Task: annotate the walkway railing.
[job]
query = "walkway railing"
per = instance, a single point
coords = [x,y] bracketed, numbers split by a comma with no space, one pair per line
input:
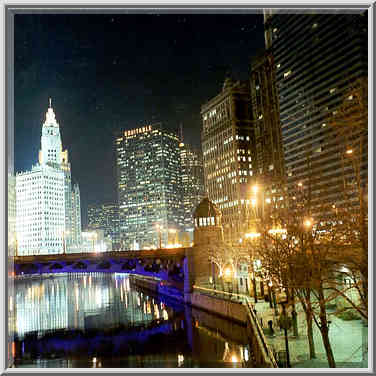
[250,308]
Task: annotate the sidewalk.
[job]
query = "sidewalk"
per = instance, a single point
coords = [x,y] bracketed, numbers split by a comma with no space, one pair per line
[349,339]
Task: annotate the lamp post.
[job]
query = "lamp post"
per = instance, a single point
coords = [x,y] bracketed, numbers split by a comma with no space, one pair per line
[93,237]
[228,278]
[285,324]
[253,236]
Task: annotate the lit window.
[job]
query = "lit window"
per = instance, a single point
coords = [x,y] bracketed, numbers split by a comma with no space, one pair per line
[286,74]
[314,25]
[332,90]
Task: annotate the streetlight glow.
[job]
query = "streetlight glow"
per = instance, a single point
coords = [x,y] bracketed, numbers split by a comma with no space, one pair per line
[307,223]
[349,151]
[252,235]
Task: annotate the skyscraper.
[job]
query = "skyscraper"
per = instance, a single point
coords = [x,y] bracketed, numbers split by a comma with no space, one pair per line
[43,207]
[192,175]
[105,217]
[228,154]
[76,218]
[318,58]
[269,162]
[149,186]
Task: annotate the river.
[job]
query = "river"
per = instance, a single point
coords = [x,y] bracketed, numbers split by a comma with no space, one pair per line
[100,320]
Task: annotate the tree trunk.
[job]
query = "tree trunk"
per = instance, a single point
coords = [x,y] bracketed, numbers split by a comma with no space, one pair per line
[311,342]
[324,329]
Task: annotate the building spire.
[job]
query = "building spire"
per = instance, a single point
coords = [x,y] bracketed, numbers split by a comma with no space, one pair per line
[50,116]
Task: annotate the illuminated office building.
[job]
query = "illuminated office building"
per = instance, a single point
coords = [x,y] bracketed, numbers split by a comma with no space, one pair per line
[318,58]
[105,217]
[228,154]
[149,186]
[192,176]
[44,198]
[76,218]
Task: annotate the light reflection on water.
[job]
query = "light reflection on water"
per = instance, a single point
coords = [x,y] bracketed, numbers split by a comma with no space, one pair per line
[68,301]
[110,321]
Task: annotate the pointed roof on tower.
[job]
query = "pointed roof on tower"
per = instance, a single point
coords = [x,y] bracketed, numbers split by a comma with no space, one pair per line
[50,117]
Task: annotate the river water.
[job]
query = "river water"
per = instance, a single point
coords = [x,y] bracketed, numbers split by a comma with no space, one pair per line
[101,320]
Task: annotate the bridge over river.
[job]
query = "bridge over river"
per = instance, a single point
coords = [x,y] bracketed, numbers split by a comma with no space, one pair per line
[165,264]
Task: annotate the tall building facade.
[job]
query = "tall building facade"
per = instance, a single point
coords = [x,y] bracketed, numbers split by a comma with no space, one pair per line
[105,217]
[318,58]
[192,175]
[228,154]
[43,208]
[76,237]
[269,158]
[149,186]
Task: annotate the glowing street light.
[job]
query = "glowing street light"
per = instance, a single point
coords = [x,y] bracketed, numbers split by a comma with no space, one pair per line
[349,151]
[275,231]
[228,272]
[300,184]
[252,235]
[307,223]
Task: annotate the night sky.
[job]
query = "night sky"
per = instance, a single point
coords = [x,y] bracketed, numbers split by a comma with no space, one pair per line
[111,72]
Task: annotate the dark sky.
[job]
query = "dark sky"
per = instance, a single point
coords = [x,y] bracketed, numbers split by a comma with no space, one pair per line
[111,72]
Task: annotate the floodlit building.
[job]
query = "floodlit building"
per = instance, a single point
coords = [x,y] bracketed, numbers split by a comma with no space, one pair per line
[76,236]
[105,217]
[149,186]
[228,154]
[192,175]
[95,241]
[44,198]
[318,59]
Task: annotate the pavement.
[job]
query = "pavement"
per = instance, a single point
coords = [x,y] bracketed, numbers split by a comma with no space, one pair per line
[349,340]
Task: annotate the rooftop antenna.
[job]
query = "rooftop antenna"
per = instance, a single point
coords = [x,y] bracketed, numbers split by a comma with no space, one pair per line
[50,100]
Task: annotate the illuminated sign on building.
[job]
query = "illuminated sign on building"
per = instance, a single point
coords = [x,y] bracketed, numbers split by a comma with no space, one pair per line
[137,131]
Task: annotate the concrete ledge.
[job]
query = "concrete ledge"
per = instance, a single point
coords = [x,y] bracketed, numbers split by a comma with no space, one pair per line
[229,309]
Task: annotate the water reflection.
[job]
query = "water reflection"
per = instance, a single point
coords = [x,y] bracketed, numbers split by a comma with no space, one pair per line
[101,320]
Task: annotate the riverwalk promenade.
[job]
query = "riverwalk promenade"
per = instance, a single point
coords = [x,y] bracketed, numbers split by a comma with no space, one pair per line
[349,339]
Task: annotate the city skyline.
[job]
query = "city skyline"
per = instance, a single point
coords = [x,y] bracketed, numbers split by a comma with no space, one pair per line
[220,162]
[118,90]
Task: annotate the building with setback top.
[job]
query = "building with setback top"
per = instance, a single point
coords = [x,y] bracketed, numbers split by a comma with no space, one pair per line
[44,215]
[228,154]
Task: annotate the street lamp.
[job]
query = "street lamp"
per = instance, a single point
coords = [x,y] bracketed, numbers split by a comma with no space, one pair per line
[253,236]
[285,324]
[308,223]
[228,277]
[93,237]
